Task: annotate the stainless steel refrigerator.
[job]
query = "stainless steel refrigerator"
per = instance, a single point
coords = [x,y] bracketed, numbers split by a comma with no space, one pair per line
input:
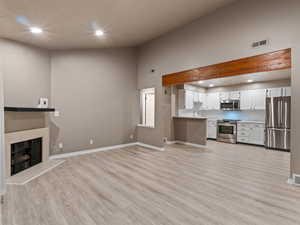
[278,123]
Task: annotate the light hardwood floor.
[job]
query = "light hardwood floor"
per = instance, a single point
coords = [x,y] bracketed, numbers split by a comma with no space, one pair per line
[222,184]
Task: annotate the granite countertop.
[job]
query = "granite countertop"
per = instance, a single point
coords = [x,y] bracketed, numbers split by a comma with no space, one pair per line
[190,117]
[251,121]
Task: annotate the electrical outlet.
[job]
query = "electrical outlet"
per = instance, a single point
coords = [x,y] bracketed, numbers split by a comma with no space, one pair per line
[56,114]
[131,136]
[91,141]
[60,145]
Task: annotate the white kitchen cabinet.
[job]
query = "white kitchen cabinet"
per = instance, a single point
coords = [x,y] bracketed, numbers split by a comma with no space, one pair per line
[274,92]
[211,129]
[185,99]
[287,91]
[196,96]
[259,99]
[213,101]
[189,99]
[278,92]
[233,95]
[202,100]
[246,102]
[224,96]
[251,133]
[253,99]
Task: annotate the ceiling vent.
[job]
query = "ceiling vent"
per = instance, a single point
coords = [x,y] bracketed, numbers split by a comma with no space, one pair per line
[261,43]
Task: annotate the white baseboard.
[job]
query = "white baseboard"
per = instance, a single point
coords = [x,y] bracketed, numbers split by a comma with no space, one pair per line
[150,146]
[89,151]
[170,142]
[114,147]
[187,143]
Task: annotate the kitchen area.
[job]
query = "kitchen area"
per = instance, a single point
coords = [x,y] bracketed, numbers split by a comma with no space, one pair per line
[249,109]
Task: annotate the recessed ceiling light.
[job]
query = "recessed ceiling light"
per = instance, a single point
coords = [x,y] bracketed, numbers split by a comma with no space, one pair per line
[249,81]
[211,85]
[99,33]
[36,30]
[200,82]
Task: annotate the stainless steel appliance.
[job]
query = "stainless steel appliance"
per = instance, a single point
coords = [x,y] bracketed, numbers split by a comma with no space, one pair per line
[230,105]
[278,123]
[227,131]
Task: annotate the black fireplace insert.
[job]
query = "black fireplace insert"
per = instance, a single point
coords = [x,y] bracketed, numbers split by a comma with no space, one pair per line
[25,155]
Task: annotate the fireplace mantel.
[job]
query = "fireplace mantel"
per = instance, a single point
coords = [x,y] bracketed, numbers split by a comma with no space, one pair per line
[27,109]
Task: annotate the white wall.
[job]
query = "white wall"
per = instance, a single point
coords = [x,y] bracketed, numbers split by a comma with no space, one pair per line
[225,35]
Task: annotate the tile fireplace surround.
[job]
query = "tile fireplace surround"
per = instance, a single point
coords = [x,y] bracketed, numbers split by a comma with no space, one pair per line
[20,136]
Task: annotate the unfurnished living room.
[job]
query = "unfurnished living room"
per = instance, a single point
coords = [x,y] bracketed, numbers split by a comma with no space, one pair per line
[150,112]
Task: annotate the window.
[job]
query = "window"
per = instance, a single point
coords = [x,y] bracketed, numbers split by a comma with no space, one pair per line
[147,102]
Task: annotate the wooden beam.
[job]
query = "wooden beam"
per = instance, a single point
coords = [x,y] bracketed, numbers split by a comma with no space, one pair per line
[261,63]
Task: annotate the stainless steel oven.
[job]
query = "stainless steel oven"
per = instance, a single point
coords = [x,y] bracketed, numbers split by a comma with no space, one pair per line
[227,131]
[230,105]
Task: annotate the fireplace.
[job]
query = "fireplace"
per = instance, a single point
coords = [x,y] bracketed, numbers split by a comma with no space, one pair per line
[24,149]
[25,154]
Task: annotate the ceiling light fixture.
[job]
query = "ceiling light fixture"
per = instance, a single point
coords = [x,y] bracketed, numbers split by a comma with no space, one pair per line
[99,33]
[36,30]
[211,85]
[249,81]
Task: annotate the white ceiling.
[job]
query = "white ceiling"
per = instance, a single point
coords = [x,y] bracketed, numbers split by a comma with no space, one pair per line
[243,79]
[126,22]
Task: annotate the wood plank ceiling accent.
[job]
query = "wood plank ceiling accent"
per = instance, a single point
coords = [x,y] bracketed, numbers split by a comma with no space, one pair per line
[261,63]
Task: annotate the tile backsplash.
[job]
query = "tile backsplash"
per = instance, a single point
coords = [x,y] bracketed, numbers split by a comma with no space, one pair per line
[248,115]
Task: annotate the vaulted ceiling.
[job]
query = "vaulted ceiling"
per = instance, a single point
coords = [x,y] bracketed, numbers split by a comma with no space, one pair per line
[72,23]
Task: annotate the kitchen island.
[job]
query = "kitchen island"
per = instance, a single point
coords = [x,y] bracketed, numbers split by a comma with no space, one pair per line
[190,129]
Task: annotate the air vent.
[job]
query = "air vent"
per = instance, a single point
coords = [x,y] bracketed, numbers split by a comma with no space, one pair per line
[296,179]
[260,43]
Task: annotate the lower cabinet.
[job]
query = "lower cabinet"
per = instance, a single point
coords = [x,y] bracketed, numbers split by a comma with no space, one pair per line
[212,129]
[251,133]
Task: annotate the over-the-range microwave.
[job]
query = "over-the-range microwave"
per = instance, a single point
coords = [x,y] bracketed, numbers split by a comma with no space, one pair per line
[230,105]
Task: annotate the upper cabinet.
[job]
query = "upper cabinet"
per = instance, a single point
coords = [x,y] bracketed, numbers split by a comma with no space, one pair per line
[253,99]
[185,99]
[278,92]
[249,99]
[213,101]
[233,95]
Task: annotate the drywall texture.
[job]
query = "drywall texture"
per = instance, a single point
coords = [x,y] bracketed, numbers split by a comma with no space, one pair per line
[190,130]
[224,35]
[295,131]
[95,94]
[18,121]
[2,152]
[26,73]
